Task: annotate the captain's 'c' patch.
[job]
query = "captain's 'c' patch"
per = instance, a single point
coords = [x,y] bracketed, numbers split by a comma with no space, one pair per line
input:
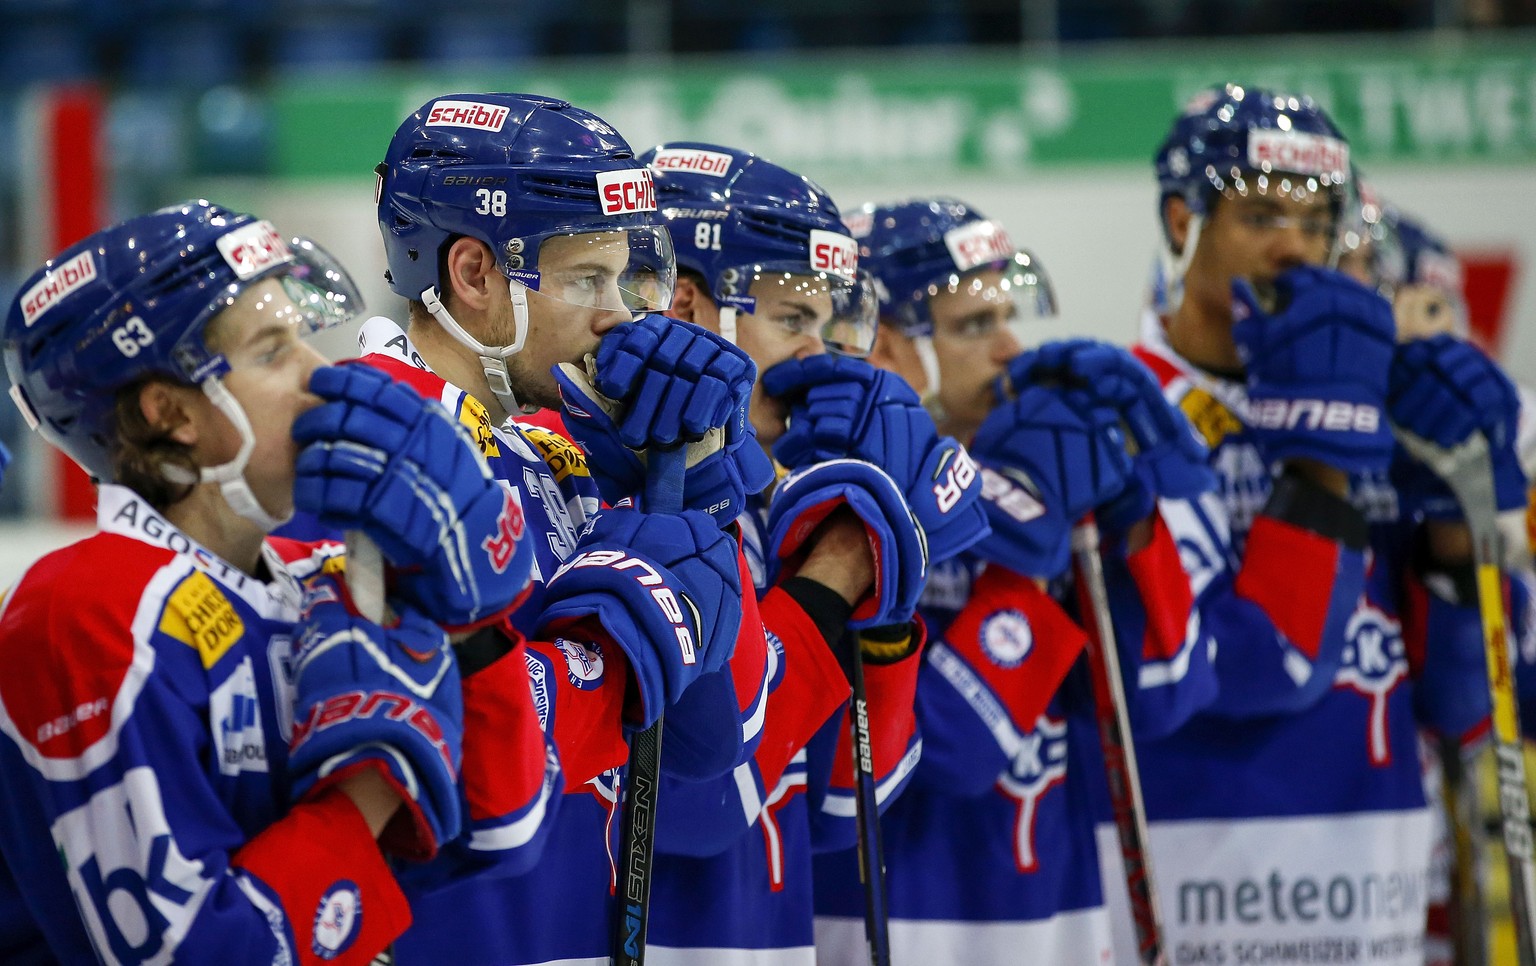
[201,617]
[472,413]
[563,457]
[1210,416]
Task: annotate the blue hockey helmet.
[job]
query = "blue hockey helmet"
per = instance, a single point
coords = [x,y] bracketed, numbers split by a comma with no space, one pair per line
[1236,141]
[515,170]
[740,221]
[917,249]
[133,301]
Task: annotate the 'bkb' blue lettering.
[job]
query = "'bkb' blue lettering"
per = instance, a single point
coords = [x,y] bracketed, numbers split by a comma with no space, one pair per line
[138,888]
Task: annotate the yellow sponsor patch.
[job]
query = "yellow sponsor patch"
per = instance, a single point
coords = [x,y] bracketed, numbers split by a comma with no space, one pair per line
[1210,417]
[201,617]
[564,459]
[473,415]
[335,566]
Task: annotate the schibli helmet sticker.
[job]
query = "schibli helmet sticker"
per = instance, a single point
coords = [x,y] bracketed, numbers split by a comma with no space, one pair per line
[518,171]
[748,226]
[132,301]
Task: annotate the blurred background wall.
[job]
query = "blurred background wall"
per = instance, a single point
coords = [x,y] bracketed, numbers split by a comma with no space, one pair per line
[1043,114]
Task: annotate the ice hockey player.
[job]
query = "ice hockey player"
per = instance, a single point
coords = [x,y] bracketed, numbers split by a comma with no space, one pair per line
[991,851]
[181,719]
[1289,819]
[764,258]
[524,234]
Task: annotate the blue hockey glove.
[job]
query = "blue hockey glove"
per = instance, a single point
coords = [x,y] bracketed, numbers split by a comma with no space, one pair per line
[808,496]
[844,407]
[1167,455]
[1044,466]
[380,459]
[1443,389]
[666,588]
[655,382]
[1317,368]
[387,698]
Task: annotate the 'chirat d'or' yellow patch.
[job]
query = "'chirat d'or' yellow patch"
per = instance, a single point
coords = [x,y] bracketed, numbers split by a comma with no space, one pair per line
[1210,416]
[563,458]
[472,413]
[201,617]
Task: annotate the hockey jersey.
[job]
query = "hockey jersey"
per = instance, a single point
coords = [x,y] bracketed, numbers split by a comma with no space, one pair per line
[734,870]
[560,907]
[1289,823]
[991,853]
[146,709]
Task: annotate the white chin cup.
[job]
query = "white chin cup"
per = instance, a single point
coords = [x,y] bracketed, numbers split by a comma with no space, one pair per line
[493,359]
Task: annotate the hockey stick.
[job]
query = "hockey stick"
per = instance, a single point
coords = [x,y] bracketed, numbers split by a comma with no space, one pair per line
[1468,470]
[637,843]
[1468,905]
[866,812]
[1119,751]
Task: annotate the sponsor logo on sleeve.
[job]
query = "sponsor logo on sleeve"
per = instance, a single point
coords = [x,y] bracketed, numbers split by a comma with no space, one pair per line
[338,919]
[483,117]
[59,282]
[474,415]
[201,617]
[978,243]
[1210,417]
[254,248]
[693,160]
[564,459]
[626,192]
[1270,149]
[239,743]
[834,254]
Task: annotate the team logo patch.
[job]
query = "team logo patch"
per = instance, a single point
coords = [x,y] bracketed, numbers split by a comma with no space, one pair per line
[1007,638]
[1271,149]
[626,192]
[201,617]
[252,249]
[693,160]
[338,920]
[563,457]
[978,243]
[59,282]
[1210,417]
[583,662]
[475,417]
[834,254]
[484,117]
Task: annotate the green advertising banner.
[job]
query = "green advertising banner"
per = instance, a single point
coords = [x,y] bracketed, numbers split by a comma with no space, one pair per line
[1427,100]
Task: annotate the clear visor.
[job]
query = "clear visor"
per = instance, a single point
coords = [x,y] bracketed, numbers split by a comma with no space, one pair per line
[320,295]
[978,304]
[629,270]
[1271,202]
[843,313]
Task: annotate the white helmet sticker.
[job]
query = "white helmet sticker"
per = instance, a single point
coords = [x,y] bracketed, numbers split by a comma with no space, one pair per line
[485,117]
[834,254]
[1270,149]
[978,243]
[254,248]
[693,160]
[59,282]
[626,192]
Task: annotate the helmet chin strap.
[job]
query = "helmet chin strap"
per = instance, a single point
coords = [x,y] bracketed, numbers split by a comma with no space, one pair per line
[728,323]
[1176,265]
[493,359]
[230,476]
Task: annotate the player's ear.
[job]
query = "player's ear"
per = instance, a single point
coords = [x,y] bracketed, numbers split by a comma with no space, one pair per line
[166,409]
[1176,217]
[471,268]
[692,303]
